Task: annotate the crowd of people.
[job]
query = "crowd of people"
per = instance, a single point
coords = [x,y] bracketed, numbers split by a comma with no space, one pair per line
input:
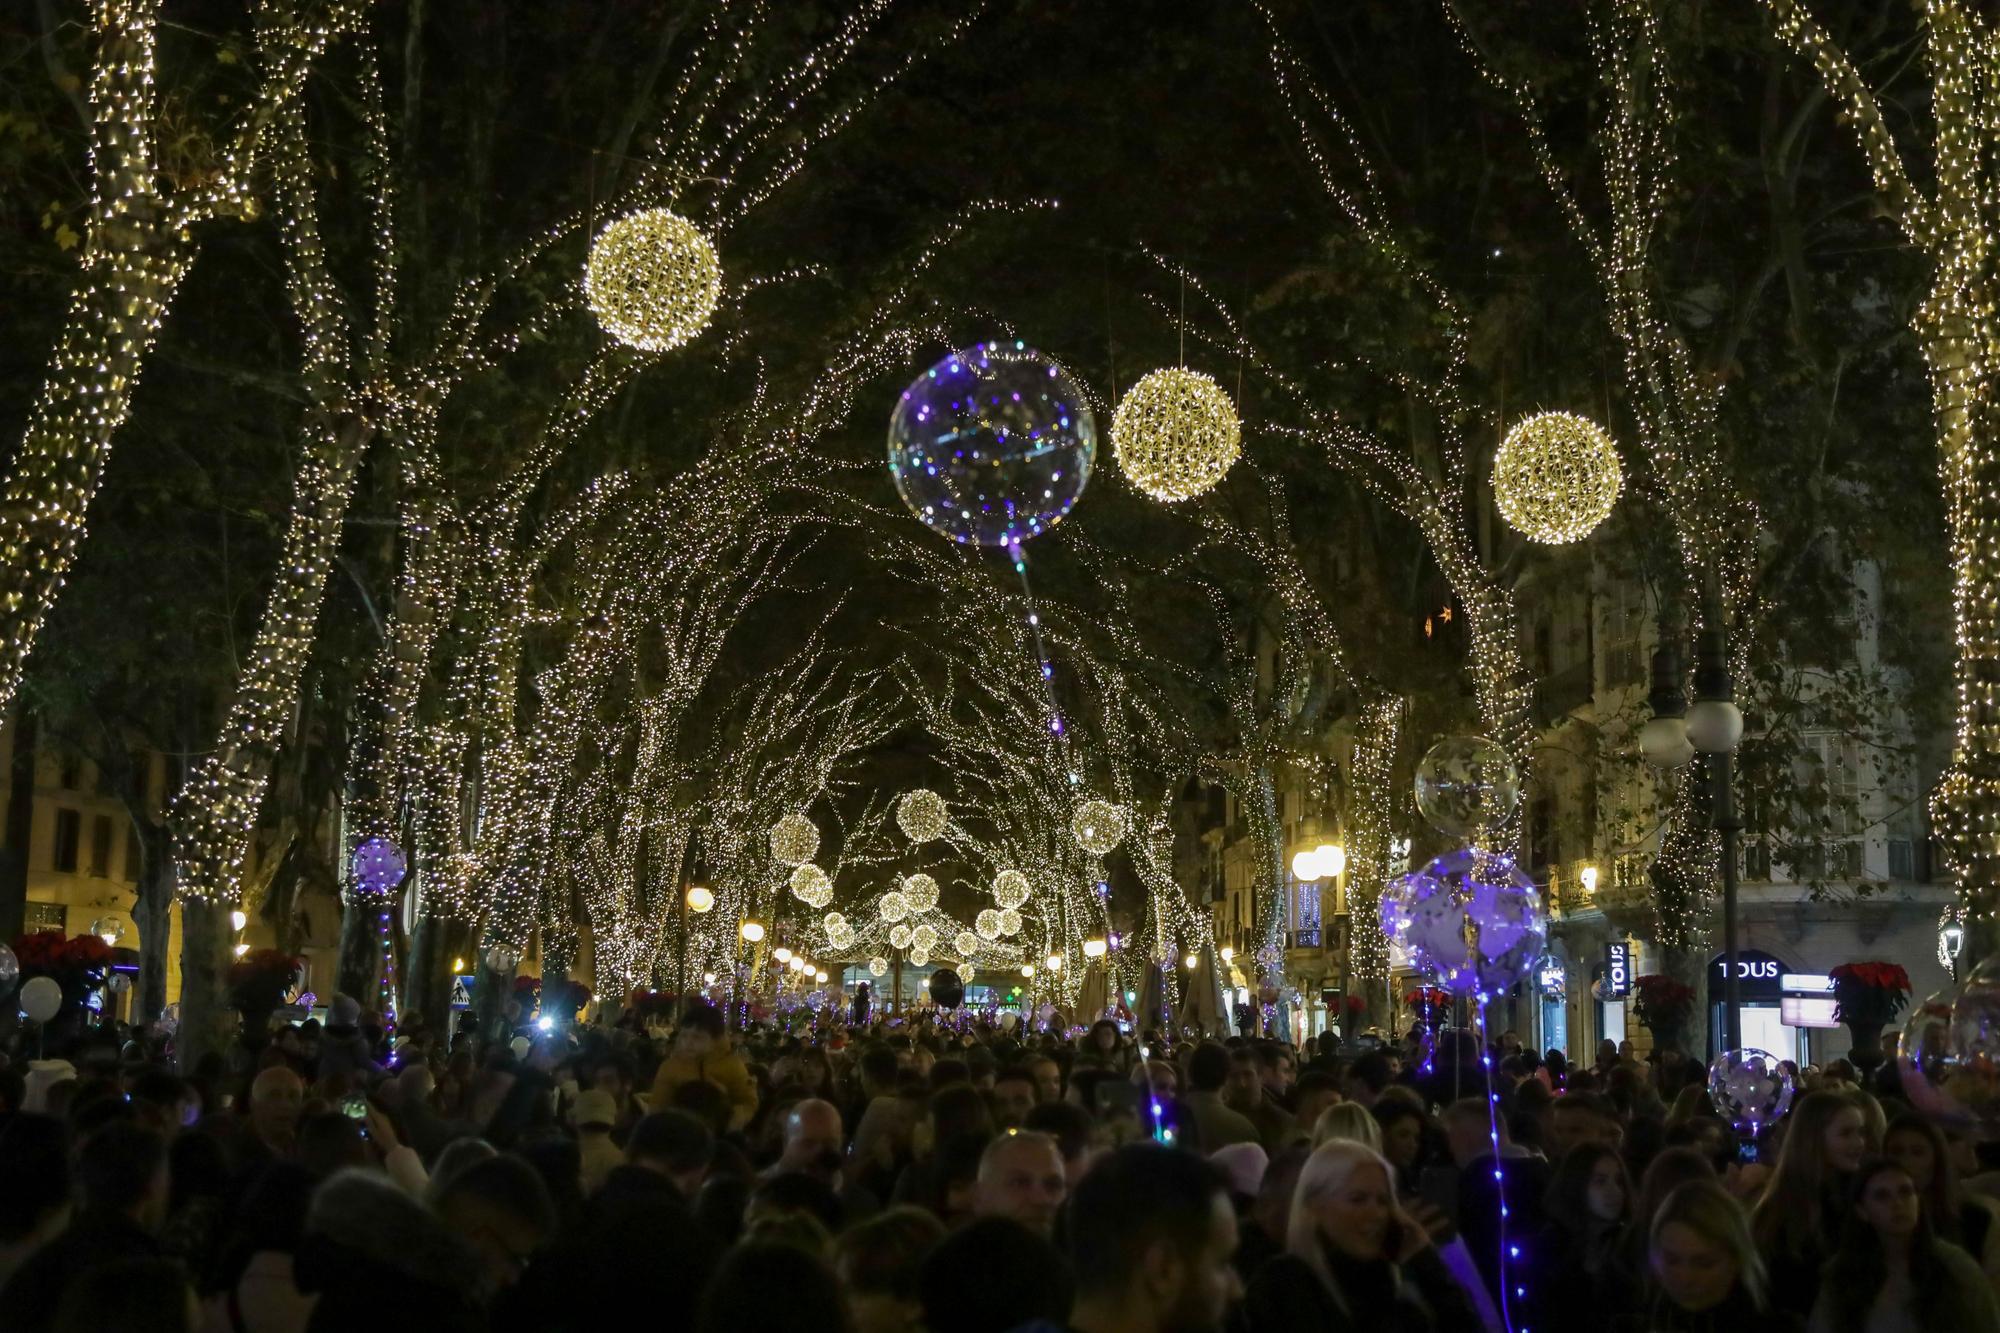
[941,1171]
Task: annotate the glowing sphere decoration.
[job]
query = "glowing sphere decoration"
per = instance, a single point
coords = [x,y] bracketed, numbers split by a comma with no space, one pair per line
[1010,889]
[794,839]
[1470,919]
[878,966]
[111,930]
[41,998]
[1010,921]
[1750,1089]
[992,445]
[812,886]
[922,892]
[10,968]
[987,923]
[1099,826]
[947,990]
[894,906]
[924,937]
[921,815]
[1556,477]
[378,866]
[919,957]
[1467,786]
[652,279]
[966,943]
[899,936]
[1175,434]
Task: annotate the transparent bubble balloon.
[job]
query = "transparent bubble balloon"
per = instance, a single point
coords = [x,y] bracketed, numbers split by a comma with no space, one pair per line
[1926,1061]
[992,445]
[500,957]
[109,929]
[10,968]
[1466,785]
[1750,1089]
[119,983]
[378,866]
[1972,1078]
[1471,920]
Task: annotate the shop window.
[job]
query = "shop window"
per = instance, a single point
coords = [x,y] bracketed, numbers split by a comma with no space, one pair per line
[69,832]
[100,847]
[134,859]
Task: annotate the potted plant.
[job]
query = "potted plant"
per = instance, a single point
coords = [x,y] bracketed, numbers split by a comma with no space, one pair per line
[258,983]
[78,965]
[1867,997]
[1664,1005]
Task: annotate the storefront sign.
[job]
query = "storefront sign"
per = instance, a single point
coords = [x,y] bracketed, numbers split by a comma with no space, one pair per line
[1549,978]
[1806,1000]
[1757,976]
[1617,970]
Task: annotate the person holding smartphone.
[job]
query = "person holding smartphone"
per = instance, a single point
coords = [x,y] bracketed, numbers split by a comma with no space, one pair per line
[1354,1259]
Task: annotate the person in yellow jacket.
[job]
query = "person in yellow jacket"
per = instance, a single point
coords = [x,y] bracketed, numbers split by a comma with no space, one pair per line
[701,1051]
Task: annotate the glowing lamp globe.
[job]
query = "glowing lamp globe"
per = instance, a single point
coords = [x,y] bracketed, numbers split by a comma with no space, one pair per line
[993,445]
[1664,741]
[1332,858]
[652,279]
[1306,866]
[894,906]
[782,954]
[1093,948]
[1714,726]
[1010,889]
[700,899]
[811,885]
[794,839]
[1556,477]
[921,815]
[1467,786]
[1175,434]
[752,931]
[378,866]
[921,891]
[1099,826]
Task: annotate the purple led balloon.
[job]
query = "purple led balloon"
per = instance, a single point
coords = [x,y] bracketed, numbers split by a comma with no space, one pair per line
[378,866]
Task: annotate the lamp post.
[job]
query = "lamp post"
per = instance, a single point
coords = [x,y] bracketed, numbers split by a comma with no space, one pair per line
[697,900]
[1713,727]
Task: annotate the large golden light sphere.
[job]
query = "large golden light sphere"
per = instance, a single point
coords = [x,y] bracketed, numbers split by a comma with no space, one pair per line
[1010,921]
[1010,888]
[924,937]
[988,924]
[812,886]
[794,839]
[1175,434]
[966,943]
[1099,826]
[1556,477]
[899,936]
[652,279]
[700,899]
[921,815]
[877,965]
[921,891]
[894,906]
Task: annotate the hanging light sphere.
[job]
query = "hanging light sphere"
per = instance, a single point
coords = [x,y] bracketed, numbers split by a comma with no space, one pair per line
[921,815]
[812,886]
[878,966]
[700,899]
[1556,477]
[894,906]
[1175,434]
[1467,786]
[1010,888]
[992,445]
[919,957]
[922,892]
[899,936]
[378,866]
[987,923]
[751,931]
[1010,922]
[924,937]
[652,280]
[833,923]
[1099,826]
[794,839]
[965,942]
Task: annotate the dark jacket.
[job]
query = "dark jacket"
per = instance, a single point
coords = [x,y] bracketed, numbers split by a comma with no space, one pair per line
[29,1300]
[1287,1296]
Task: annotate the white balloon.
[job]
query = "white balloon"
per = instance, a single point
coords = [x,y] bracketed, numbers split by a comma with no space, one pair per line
[41,997]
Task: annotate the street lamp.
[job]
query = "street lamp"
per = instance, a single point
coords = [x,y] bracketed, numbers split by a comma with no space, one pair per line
[751,931]
[1093,948]
[1713,727]
[1951,938]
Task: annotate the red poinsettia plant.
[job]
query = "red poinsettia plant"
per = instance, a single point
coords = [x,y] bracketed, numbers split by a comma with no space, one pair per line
[1355,1004]
[1873,992]
[1661,1002]
[1431,996]
[262,978]
[76,962]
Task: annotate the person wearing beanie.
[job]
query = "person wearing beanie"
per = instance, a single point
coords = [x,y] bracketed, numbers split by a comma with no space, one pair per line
[343,1049]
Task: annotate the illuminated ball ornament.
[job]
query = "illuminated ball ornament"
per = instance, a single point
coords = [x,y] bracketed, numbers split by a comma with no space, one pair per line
[878,966]
[652,280]
[1010,921]
[811,885]
[1010,889]
[1556,477]
[924,937]
[1175,434]
[1099,826]
[992,445]
[965,942]
[987,923]
[794,840]
[1467,786]
[921,891]
[895,907]
[1470,919]
[899,936]
[921,815]
[378,866]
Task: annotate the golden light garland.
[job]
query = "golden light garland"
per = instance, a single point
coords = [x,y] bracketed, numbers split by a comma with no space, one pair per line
[1556,477]
[921,815]
[653,279]
[1175,434]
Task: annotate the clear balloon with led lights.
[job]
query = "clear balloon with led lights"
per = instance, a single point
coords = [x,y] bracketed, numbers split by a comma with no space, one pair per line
[1750,1089]
[993,445]
[1926,1061]
[1470,920]
[1467,786]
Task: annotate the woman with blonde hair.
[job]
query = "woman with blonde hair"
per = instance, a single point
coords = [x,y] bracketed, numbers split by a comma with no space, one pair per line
[1704,1271]
[1353,1258]
[1796,1222]
[1348,1121]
